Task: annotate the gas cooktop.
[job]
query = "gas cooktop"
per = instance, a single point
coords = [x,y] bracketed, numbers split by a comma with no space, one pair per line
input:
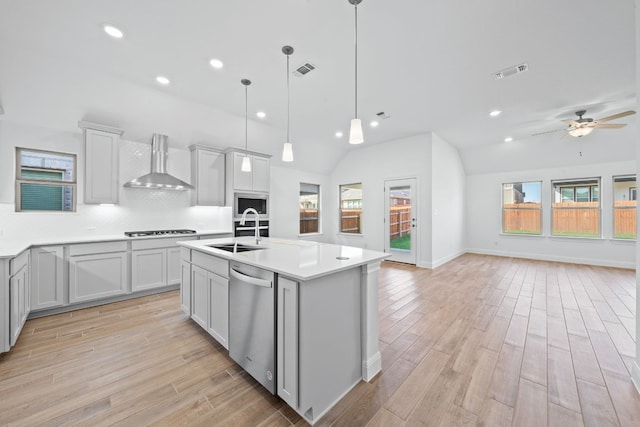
[157,233]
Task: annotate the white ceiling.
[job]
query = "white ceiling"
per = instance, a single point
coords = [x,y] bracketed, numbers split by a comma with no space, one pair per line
[427,64]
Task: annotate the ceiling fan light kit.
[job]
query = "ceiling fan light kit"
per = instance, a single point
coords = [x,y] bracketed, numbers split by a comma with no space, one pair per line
[580,132]
[583,126]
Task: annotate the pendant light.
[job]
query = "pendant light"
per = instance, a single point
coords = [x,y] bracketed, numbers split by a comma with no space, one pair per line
[355,133]
[287,148]
[246,161]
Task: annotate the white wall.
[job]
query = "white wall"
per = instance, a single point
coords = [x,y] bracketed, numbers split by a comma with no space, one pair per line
[284,218]
[636,365]
[448,203]
[139,209]
[372,165]
[484,218]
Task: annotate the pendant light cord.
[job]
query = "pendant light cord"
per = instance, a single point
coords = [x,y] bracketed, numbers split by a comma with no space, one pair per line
[246,120]
[288,101]
[356,68]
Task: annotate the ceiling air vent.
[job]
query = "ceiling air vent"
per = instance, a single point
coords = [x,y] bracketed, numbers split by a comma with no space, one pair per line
[383,115]
[511,71]
[304,69]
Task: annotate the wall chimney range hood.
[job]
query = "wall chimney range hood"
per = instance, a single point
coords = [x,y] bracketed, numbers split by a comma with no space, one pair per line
[159,178]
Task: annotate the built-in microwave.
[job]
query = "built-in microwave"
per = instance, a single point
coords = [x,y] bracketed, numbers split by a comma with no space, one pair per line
[243,201]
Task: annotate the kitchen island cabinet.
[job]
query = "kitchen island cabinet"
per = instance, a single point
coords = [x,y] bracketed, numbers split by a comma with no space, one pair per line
[204,294]
[326,300]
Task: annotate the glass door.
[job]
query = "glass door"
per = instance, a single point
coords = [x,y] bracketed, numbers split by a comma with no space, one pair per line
[400,222]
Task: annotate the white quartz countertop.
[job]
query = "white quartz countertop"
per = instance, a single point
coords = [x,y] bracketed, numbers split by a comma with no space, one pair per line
[10,248]
[297,259]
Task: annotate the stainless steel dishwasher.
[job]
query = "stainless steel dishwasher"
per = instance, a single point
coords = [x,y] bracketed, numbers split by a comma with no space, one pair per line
[252,322]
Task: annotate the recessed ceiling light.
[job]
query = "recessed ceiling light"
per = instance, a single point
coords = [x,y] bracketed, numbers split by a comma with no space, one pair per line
[508,139]
[495,113]
[216,63]
[373,124]
[261,114]
[162,80]
[114,32]
[339,134]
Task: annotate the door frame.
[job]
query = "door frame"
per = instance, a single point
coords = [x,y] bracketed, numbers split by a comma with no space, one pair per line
[405,257]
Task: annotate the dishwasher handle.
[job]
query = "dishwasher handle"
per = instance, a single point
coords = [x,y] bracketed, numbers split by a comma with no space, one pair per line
[250,280]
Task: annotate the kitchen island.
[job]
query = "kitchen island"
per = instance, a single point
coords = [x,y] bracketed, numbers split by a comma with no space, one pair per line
[325,304]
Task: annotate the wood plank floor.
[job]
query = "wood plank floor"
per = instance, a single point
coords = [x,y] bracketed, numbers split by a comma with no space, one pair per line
[479,341]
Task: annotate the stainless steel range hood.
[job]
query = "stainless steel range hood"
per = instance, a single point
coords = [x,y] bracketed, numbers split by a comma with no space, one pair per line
[159,178]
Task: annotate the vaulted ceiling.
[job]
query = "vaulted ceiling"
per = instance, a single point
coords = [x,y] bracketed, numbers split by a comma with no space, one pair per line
[427,64]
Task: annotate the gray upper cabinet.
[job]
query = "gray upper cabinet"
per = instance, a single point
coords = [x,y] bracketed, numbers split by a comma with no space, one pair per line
[101,144]
[207,176]
[257,180]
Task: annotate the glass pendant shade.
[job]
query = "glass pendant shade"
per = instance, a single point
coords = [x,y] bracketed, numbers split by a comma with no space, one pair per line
[246,164]
[580,131]
[287,152]
[355,134]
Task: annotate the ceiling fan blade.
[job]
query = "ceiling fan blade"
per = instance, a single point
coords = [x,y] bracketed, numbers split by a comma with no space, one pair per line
[610,126]
[549,131]
[616,116]
[570,122]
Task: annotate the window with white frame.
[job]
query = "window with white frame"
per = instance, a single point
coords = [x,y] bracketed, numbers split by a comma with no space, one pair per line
[624,207]
[45,181]
[351,208]
[575,207]
[309,208]
[521,208]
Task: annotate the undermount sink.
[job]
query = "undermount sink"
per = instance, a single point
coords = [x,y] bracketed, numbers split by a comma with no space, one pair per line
[230,247]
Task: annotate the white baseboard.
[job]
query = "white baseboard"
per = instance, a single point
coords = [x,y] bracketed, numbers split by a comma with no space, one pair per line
[441,261]
[371,367]
[556,258]
[635,375]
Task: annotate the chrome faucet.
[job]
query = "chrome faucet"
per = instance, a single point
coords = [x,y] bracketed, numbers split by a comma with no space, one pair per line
[257,221]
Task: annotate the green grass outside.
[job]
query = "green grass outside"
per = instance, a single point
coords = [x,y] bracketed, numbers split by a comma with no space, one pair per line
[522,231]
[575,234]
[403,242]
[624,236]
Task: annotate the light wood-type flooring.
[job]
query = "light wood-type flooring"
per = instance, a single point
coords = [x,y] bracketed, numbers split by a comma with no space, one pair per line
[479,341]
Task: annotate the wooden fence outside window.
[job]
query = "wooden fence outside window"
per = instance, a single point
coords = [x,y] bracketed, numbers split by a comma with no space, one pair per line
[570,219]
[399,221]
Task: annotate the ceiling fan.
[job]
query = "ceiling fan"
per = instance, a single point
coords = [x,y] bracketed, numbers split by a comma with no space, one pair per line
[584,126]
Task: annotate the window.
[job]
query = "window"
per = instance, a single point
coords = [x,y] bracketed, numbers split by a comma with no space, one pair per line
[521,208]
[309,208]
[45,181]
[576,208]
[624,207]
[351,208]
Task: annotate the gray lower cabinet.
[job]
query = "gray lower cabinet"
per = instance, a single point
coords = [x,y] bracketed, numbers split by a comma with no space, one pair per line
[219,308]
[47,277]
[148,269]
[204,293]
[199,296]
[19,295]
[313,316]
[185,287]
[97,270]
[173,266]
[287,341]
